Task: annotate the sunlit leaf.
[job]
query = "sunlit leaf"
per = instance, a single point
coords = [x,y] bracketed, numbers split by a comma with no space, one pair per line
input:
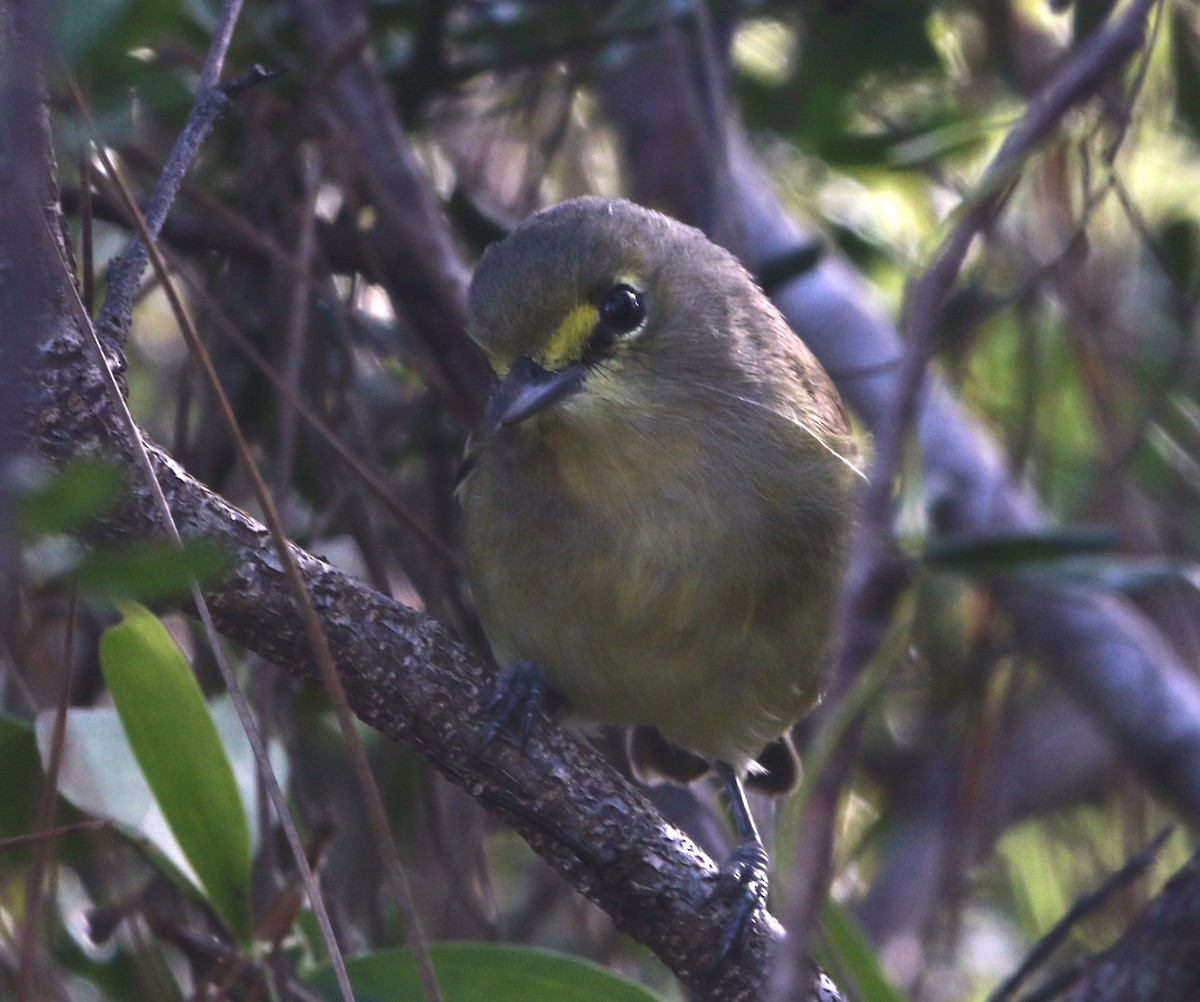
[180,753]
[1040,883]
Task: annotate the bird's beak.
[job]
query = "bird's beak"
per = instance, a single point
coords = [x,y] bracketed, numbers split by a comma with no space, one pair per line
[527,389]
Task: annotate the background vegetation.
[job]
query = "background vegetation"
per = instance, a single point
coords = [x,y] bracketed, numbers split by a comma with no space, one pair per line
[1015,713]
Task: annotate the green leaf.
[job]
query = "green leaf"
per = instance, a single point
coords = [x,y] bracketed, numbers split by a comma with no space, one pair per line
[84,24]
[786,267]
[1004,552]
[150,570]
[1180,240]
[101,777]
[1187,71]
[854,956]
[66,500]
[180,753]
[468,972]
[1039,875]
[22,777]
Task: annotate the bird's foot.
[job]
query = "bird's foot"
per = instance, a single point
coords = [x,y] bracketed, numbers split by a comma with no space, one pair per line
[744,879]
[520,691]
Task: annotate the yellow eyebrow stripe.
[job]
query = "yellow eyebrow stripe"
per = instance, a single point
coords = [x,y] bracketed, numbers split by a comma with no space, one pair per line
[567,342]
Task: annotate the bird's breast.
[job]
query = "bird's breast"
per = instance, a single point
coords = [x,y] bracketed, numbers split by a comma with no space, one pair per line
[641,573]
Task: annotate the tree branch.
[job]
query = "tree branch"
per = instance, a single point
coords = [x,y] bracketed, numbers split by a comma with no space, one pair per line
[407,677]
[419,264]
[1158,957]
[125,272]
[1104,651]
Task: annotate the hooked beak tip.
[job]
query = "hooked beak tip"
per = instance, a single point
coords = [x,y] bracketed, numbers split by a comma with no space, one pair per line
[526,389]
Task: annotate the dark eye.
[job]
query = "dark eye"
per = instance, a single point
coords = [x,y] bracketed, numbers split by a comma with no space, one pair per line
[622,310]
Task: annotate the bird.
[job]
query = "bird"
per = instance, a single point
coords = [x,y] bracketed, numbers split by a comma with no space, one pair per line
[658,498]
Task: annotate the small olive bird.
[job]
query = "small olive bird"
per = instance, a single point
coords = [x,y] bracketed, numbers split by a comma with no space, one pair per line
[658,499]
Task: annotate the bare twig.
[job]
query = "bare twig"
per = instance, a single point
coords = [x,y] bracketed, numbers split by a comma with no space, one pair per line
[369,478]
[422,269]
[322,654]
[1078,911]
[26,285]
[1158,956]
[212,99]
[865,592]
[62,831]
[1095,61]
[405,676]
[297,321]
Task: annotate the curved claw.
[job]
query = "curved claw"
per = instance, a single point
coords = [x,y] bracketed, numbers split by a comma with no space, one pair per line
[744,878]
[521,690]
[745,875]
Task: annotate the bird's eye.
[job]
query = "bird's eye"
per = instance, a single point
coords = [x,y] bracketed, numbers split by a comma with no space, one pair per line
[622,309]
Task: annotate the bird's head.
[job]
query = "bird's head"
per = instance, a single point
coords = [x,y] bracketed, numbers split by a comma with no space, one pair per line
[598,302]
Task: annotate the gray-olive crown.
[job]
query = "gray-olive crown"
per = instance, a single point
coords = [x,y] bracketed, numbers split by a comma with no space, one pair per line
[542,292]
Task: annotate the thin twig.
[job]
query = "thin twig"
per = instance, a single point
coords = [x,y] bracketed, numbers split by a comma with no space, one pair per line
[1078,911]
[125,273]
[297,321]
[1101,55]
[210,74]
[91,336]
[47,807]
[62,831]
[88,266]
[241,706]
[867,588]
[376,812]
[434,545]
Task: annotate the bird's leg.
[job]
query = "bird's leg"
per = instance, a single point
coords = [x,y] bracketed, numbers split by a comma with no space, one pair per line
[521,690]
[745,873]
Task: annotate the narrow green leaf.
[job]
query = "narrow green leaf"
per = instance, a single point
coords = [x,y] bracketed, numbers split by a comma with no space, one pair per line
[854,955]
[780,269]
[100,776]
[1180,242]
[179,751]
[150,570]
[22,777]
[1016,551]
[468,972]
[64,501]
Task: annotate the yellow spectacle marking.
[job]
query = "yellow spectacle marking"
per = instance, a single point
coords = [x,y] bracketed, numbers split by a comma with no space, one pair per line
[567,342]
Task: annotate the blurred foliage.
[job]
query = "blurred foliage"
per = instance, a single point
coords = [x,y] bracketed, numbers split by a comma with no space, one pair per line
[470,971]
[970,825]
